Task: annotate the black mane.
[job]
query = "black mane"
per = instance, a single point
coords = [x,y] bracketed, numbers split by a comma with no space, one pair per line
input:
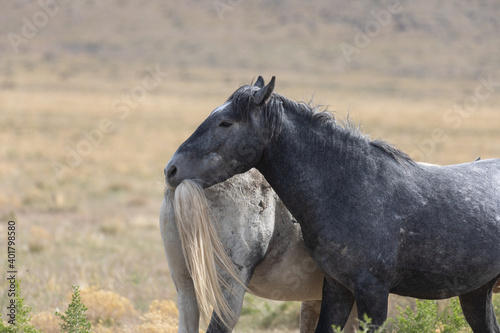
[320,116]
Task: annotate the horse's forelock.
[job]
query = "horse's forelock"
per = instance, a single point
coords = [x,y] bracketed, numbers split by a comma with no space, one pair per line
[243,102]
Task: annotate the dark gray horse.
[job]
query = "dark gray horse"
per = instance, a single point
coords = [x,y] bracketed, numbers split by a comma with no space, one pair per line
[374,221]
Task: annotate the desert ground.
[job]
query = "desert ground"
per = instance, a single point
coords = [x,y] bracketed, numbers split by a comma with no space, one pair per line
[95,97]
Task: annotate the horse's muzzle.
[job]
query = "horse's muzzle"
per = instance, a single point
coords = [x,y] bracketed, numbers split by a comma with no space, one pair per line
[171,175]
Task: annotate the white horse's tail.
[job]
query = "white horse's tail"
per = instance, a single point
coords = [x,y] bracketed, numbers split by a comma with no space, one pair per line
[202,250]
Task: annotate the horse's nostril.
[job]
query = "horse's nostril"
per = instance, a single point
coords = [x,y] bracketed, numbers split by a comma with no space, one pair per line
[171,171]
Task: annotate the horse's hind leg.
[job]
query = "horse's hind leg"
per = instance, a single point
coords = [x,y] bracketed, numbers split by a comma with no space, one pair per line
[235,301]
[234,295]
[478,309]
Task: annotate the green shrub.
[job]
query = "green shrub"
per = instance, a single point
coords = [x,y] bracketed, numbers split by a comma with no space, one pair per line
[22,318]
[424,320]
[496,305]
[365,326]
[284,315]
[427,320]
[452,319]
[75,319]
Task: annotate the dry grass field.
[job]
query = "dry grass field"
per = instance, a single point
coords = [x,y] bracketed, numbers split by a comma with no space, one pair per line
[93,105]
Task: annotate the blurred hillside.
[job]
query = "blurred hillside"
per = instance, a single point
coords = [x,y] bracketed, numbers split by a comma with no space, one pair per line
[424,39]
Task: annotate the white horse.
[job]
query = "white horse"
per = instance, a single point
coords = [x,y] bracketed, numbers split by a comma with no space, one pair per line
[263,241]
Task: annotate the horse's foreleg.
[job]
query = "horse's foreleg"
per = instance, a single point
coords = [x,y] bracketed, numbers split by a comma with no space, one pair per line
[309,314]
[189,315]
[335,306]
[478,309]
[372,299]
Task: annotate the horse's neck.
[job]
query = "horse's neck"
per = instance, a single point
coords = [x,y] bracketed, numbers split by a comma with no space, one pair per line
[303,164]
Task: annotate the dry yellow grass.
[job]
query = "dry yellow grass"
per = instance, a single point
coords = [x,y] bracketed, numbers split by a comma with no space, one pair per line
[106,311]
[97,224]
[104,306]
[46,322]
[162,316]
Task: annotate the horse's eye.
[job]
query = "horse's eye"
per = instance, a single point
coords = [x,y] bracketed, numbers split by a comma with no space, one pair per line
[225,124]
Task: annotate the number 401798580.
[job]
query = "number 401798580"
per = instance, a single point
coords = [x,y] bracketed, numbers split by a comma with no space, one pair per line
[11,243]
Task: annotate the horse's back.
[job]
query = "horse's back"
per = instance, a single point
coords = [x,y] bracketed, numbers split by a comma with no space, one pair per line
[451,233]
[465,185]
[469,170]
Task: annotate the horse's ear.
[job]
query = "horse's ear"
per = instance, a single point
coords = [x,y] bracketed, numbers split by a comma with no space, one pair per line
[262,96]
[260,82]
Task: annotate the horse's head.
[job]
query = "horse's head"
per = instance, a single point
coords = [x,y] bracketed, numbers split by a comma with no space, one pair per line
[230,141]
